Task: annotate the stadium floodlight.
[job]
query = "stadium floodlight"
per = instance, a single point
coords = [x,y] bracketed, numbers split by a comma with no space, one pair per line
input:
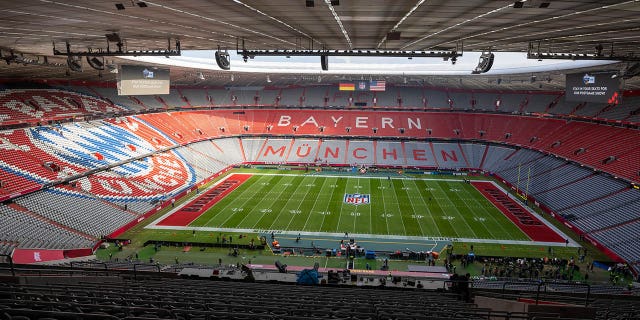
[96,63]
[484,64]
[222,59]
[74,63]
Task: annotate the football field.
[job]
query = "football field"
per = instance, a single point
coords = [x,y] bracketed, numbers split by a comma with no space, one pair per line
[360,205]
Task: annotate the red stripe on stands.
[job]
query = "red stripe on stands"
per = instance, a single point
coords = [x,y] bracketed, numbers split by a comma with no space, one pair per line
[528,223]
[194,208]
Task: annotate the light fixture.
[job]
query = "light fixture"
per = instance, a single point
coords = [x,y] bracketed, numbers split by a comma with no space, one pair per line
[222,59]
[485,63]
[200,75]
[74,63]
[268,79]
[96,63]
[100,52]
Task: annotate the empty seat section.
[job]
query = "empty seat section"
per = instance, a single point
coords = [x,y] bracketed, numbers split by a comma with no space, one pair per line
[473,153]
[252,148]
[196,97]
[389,153]
[274,150]
[449,156]
[314,96]
[291,96]
[79,212]
[21,229]
[304,151]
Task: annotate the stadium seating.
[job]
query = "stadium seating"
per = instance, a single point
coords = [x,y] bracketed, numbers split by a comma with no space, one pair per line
[196,97]
[165,298]
[76,211]
[34,105]
[26,230]
[207,142]
[292,96]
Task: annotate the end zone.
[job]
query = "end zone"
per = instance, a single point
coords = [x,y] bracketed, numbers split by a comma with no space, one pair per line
[534,227]
[189,211]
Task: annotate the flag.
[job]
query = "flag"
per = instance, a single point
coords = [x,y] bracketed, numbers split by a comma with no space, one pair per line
[347,86]
[379,85]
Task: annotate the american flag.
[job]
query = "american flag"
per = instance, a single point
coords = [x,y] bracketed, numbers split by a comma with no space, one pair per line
[379,85]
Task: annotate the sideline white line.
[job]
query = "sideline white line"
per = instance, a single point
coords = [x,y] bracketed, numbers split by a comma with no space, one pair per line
[363,235]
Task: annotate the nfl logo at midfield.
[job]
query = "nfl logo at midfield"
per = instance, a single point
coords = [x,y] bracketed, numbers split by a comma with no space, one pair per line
[356,198]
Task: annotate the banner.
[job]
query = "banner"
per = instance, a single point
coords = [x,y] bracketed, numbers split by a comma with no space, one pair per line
[25,256]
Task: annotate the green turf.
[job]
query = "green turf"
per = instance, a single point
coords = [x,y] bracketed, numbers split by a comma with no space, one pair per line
[403,207]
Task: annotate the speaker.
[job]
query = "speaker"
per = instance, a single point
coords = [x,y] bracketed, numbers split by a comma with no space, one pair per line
[222,59]
[324,62]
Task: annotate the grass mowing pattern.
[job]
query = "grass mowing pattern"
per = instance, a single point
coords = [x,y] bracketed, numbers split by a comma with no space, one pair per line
[398,207]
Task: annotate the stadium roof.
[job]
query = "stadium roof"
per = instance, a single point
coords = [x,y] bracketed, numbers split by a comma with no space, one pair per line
[30,26]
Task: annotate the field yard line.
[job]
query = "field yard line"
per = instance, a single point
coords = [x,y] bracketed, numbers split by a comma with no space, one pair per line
[237,198]
[435,224]
[324,216]
[412,206]
[232,202]
[459,213]
[314,206]
[341,205]
[355,216]
[384,205]
[490,215]
[300,203]
[370,211]
[274,200]
[399,209]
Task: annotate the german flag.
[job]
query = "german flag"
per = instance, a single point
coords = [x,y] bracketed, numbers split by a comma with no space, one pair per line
[343,86]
